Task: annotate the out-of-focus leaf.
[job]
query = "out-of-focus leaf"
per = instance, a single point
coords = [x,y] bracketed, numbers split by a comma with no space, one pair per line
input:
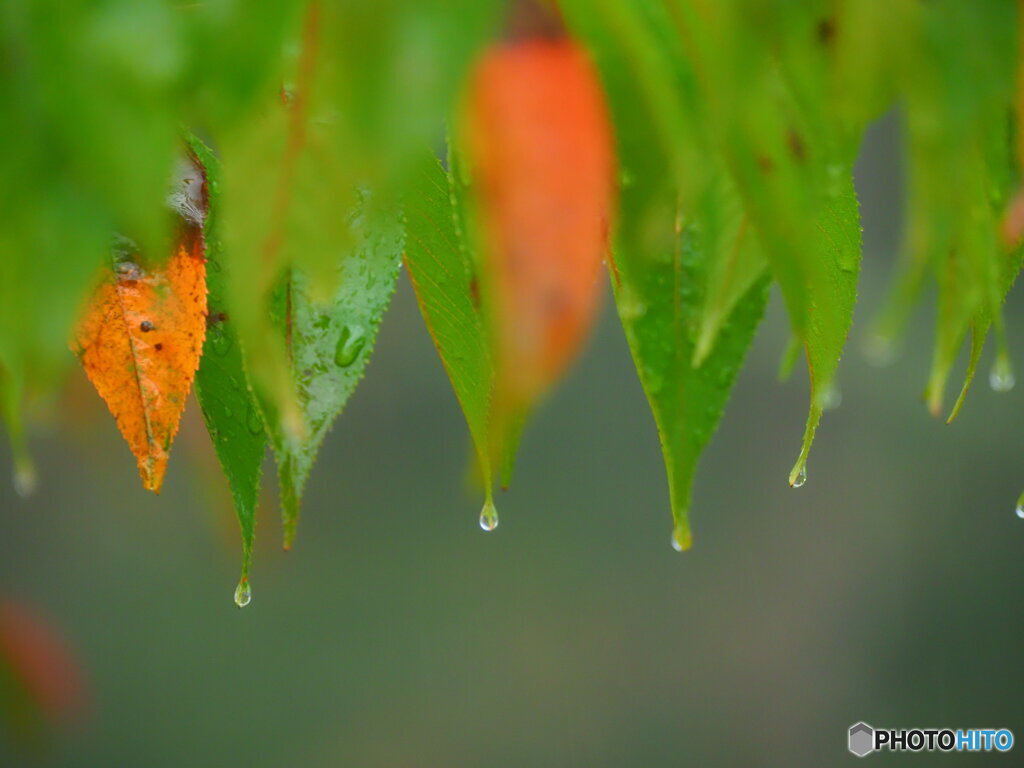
[364,86]
[234,54]
[103,80]
[229,408]
[329,343]
[140,340]
[660,272]
[41,683]
[53,239]
[537,145]
[956,78]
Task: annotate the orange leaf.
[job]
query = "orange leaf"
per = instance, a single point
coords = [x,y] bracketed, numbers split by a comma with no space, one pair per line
[140,341]
[540,151]
[41,662]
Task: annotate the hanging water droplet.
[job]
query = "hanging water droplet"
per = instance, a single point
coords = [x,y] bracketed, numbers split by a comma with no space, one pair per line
[221,341]
[25,479]
[798,477]
[243,593]
[489,516]
[253,420]
[682,539]
[350,344]
[1020,509]
[831,398]
[1001,377]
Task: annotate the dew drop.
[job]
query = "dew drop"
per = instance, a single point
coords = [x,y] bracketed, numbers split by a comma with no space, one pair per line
[221,342]
[831,398]
[243,593]
[253,420]
[798,478]
[1001,377]
[350,344]
[489,516]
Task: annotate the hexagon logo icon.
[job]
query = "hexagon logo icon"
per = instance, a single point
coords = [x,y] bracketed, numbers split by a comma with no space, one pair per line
[861,739]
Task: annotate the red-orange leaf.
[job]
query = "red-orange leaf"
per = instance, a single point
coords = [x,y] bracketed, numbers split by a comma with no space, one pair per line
[140,341]
[540,152]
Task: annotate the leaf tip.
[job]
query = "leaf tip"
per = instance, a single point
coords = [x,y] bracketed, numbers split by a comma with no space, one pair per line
[152,474]
[798,474]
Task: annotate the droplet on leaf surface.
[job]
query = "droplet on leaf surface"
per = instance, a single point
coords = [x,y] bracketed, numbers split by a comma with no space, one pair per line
[351,341]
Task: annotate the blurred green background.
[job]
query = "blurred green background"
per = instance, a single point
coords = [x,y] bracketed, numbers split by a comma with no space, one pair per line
[396,633]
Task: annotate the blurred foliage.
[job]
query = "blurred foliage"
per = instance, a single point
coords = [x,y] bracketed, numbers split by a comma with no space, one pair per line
[737,124]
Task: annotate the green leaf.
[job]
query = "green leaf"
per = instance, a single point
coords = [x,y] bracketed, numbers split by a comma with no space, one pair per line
[443,276]
[957,78]
[672,260]
[736,265]
[830,312]
[660,301]
[791,162]
[363,87]
[329,343]
[229,408]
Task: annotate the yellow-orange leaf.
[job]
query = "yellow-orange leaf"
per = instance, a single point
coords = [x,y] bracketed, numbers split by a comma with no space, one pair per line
[140,341]
[540,150]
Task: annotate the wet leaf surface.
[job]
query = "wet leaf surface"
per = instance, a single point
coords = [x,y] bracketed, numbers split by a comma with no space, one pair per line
[139,342]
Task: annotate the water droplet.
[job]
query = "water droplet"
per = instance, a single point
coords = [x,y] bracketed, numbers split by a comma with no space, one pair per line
[129,271]
[350,344]
[221,341]
[253,420]
[798,477]
[243,593]
[682,539]
[831,398]
[1020,509]
[228,413]
[489,516]
[25,479]
[879,350]
[1001,377]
